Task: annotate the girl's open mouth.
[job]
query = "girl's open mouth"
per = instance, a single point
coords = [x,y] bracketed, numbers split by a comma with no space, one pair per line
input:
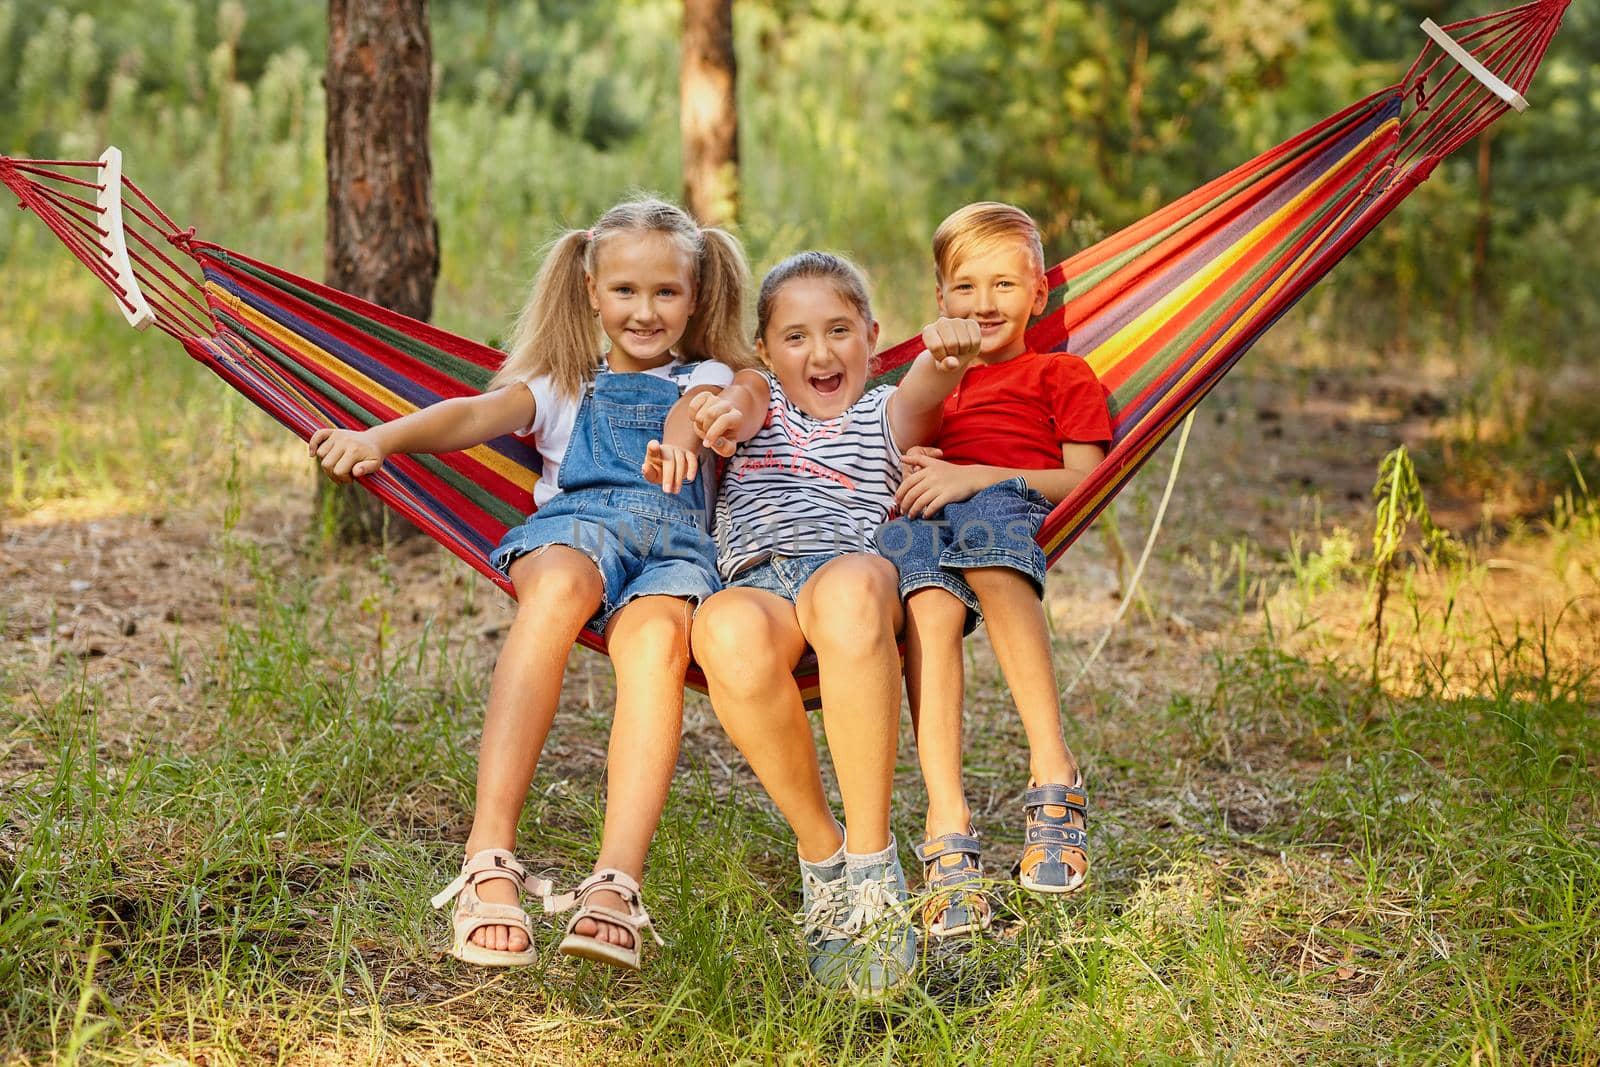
[828,385]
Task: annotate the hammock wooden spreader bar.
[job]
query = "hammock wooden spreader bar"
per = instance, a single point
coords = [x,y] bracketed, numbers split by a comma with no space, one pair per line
[1162,310]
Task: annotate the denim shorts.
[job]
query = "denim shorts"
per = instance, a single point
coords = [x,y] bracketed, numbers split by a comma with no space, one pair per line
[995,527]
[783,575]
[642,544]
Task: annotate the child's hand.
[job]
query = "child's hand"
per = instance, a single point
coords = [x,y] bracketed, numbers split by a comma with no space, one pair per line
[715,420]
[346,454]
[931,483]
[953,343]
[669,466]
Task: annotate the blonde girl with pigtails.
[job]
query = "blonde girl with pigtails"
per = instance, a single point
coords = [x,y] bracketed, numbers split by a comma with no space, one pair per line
[619,541]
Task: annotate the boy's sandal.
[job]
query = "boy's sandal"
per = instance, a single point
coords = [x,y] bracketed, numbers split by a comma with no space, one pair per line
[953,877]
[1055,854]
[473,913]
[635,919]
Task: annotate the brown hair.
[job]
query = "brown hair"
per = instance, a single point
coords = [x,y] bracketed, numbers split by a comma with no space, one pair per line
[967,230]
[556,334]
[845,276]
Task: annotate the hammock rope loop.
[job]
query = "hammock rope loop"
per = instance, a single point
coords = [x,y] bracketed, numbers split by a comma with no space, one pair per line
[183,240]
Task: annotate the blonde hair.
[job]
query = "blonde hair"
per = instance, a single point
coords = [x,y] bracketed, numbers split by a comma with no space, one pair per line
[976,227]
[556,334]
[844,275]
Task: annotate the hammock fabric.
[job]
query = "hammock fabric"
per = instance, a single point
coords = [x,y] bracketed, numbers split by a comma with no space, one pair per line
[1161,310]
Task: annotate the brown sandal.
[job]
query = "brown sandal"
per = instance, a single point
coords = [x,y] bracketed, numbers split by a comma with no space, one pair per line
[1055,853]
[953,877]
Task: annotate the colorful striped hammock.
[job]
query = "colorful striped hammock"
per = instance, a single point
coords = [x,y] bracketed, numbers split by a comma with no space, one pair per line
[1161,310]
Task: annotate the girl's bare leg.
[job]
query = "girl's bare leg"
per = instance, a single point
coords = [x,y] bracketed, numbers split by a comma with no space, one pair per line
[850,613]
[1021,640]
[748,642]
[935,680]
[649,643]
[557,591]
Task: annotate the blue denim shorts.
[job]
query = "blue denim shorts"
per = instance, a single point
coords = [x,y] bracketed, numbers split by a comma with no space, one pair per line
[995,527]
[642,544]
[783,575]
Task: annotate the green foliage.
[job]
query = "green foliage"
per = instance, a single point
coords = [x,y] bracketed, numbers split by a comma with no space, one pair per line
[861,126]
[1401,505]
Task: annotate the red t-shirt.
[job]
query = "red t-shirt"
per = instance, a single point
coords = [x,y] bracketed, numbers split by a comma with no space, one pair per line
[1019,413]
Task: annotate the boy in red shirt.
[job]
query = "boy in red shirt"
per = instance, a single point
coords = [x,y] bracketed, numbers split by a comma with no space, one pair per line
[1020,432]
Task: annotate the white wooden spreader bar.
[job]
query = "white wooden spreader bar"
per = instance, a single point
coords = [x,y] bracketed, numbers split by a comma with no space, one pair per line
[1473,67]
[135,308]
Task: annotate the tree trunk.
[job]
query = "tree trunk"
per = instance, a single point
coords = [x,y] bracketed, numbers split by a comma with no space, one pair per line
[383,240]
[708,114]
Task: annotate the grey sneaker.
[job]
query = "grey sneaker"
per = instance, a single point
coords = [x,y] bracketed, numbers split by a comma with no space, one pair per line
[824,906]
[883,945]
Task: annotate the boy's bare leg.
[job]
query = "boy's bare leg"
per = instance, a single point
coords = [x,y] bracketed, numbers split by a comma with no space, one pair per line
[850,612]
[557,591]
[935,681]
[1021,639]
[748,642]
[649,643]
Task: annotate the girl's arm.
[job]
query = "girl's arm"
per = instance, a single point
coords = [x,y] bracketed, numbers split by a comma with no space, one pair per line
[736,414]
[450,425]
[675,459]
[917,406]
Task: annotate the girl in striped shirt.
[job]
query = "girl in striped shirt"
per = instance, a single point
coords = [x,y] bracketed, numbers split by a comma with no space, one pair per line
[815,462]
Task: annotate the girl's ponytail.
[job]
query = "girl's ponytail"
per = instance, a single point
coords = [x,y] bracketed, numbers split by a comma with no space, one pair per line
[556,334]
[716,330]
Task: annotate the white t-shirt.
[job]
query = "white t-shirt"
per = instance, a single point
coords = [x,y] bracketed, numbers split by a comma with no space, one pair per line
[804,485]
[555,414]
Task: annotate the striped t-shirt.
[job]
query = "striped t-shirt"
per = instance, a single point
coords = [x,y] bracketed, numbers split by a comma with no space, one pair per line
[803,485]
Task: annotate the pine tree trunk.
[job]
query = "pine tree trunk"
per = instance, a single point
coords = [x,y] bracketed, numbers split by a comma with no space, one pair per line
[708,113]
[383,239]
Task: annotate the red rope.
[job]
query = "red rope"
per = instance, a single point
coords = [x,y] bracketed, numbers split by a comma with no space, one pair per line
[59,197]
[53,176]
[91,254]
[161,254]
[1468,105]
[152,277]
[87,222]
[168,226]
[58,162]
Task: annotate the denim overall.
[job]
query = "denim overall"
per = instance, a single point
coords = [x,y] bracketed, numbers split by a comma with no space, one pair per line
[645,542]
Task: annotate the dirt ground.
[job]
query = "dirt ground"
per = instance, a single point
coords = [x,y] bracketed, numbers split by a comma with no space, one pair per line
[133,602]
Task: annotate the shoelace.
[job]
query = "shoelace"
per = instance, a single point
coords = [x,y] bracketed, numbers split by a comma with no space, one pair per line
[823,915]
[875,898]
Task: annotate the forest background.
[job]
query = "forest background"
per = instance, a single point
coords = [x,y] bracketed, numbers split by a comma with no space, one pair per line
[238,774]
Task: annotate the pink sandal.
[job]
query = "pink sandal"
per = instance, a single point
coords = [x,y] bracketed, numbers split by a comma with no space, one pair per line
[634,920]
[473,913]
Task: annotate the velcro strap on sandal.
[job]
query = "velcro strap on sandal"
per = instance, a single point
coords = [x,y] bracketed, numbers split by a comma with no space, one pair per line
[946,844]
[1072,797]
[1070,836]
[488,865]
[618,882]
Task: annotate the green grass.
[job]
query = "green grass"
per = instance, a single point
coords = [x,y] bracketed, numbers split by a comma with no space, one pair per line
[1289,865]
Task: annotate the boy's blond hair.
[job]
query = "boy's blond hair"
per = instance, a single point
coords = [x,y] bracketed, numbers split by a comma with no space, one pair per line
[976,227]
